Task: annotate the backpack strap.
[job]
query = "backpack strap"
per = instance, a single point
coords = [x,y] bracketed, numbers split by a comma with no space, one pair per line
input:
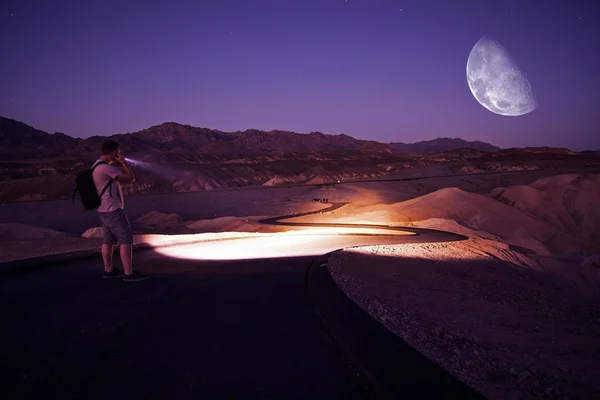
[109,182]
[106,187]
[98,164]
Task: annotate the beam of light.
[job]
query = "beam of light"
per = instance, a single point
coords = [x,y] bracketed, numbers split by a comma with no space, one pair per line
[137,163]
[238,246]
[154,168]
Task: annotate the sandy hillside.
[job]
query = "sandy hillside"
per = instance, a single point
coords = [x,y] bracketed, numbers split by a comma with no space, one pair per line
[560,219]
[569,202]
[19,241]
[514,310]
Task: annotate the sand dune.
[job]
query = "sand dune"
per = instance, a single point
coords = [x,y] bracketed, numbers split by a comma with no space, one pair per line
[232,224]
[276,180]
[473,211]
[316,180]
[568,202]
[482,213]
[26,232]
[563,219]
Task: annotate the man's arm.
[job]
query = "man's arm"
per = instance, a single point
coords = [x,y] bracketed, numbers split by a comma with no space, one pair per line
[126,176]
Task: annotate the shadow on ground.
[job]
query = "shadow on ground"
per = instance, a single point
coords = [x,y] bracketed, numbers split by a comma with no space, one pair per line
[504,330]
[225,329]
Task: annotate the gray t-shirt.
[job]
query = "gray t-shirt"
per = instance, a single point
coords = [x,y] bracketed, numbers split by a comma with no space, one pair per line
[102,174]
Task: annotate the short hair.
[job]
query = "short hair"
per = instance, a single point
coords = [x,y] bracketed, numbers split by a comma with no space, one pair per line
[108,146]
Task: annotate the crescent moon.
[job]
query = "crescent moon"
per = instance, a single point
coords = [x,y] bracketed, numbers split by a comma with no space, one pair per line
[496,80]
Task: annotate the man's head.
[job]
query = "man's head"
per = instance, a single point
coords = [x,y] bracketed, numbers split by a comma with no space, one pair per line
[110,150]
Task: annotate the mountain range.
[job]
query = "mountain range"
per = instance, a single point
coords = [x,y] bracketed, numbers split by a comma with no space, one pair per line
[18,141]
[38,165]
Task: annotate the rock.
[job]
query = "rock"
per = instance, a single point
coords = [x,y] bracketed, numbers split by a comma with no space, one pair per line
[513,371]
[549,391]
[533,370]
[591,262]
[563,369]
[523,376]
[91,233]
[448,337]
[155,218]
[11,231]
[476,352]
[537,329]
[456,351]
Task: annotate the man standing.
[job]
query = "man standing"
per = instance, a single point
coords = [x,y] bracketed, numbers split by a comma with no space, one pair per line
[108,180]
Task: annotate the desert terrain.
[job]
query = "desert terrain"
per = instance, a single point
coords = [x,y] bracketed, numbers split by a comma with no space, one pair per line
[513,310]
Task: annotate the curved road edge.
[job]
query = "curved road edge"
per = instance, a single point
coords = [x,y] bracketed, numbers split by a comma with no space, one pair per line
[419,235]
[392,366]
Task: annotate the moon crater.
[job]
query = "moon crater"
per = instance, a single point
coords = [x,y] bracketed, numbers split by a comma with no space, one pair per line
[496,80]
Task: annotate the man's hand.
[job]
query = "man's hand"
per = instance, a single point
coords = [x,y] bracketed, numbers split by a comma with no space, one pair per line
[127,175]
[120,158]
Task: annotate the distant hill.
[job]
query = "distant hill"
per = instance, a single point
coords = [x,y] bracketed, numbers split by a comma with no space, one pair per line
[19,141]
[441,145]
[545,150]
[36,165]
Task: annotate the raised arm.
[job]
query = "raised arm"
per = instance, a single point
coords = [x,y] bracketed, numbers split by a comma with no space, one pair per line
[126,176]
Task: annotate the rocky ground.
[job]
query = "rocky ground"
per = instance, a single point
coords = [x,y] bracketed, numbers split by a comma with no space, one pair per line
[507,331]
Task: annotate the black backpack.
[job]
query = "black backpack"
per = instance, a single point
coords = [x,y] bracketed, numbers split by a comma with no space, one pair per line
[84,184]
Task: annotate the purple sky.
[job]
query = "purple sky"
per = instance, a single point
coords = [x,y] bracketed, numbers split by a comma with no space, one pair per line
[373,69]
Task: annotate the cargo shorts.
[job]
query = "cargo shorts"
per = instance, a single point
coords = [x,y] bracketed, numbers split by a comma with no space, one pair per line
[117,229]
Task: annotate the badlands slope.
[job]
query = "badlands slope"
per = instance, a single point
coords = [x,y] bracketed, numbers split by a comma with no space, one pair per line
[514,310]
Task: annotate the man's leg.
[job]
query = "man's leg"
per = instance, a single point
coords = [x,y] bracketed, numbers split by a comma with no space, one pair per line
[126,252]
[108,244]
[107,257]
[122,231]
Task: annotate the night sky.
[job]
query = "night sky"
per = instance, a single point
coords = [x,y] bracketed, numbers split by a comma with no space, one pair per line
[373,69]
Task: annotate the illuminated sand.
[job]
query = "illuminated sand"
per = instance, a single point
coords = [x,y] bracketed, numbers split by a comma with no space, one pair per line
[562,217]
[241,246]
[28,242]
[391,203]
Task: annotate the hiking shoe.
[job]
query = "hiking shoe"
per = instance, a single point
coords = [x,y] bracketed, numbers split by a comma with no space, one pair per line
[134,277]
[115,273]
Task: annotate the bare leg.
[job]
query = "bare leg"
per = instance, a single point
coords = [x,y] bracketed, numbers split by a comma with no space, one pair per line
[107,256]
[127,258]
